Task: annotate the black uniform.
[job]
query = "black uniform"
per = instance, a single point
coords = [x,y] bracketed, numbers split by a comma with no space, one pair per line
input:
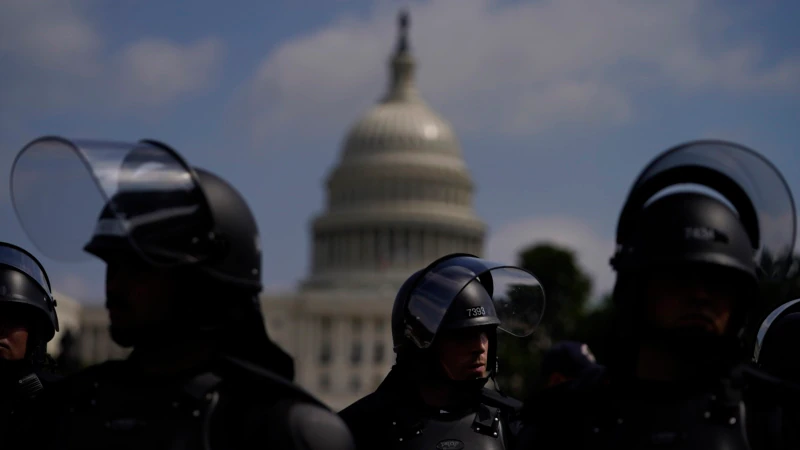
[744,239]
[25,298]
[163,214]
[455,292]
[774,388]
[228,404]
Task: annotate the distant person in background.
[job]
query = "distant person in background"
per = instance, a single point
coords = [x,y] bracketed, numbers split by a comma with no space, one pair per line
[565,361]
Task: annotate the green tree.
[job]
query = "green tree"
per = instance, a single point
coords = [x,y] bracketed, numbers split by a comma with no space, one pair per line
[594,327]
[567,289]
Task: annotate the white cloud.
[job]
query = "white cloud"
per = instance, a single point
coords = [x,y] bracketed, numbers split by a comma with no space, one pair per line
[592,251]
[157,71]
[530,66]
[53,57]
[51,35]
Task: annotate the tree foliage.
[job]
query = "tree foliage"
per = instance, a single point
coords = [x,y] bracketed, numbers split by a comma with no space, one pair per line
[567,316]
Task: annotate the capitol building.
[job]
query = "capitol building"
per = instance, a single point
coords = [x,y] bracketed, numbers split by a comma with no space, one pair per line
[399,196]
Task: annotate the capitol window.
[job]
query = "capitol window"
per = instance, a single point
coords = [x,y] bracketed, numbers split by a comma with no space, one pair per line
[325,382]
[325,353]
[379,353]
[355,383]
[356,353]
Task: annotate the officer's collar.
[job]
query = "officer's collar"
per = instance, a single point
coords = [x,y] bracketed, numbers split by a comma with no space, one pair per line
[19,378]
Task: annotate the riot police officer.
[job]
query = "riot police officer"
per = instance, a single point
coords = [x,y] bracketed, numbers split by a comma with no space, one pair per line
[444,328]
[777,340]
[28,321]
[183,270]
[774,390]
[704,224]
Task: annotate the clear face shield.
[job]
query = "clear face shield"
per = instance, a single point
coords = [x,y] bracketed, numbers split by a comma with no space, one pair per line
[67,193]
[20,260]
[518,299]
[749,182]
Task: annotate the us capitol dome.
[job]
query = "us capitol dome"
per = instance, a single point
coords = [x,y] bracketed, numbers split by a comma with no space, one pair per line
[399,196]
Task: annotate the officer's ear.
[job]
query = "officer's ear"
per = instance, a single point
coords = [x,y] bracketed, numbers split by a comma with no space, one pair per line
[556,378]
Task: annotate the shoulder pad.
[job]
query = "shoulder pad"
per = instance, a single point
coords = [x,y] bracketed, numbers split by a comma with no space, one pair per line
[497,399]
[364,411]
[261,376]
[315,428]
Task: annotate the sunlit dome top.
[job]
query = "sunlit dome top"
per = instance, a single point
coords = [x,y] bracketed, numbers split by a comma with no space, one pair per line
[401,121]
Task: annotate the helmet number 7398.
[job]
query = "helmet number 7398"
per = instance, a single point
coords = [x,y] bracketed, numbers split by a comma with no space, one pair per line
[476,312]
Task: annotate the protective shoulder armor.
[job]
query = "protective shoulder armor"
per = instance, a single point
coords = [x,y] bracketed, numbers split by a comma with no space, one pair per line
[494,398]
[316,428]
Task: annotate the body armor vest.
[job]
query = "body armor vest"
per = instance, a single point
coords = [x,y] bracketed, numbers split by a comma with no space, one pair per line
[480,430]
[103,413]
[708,421]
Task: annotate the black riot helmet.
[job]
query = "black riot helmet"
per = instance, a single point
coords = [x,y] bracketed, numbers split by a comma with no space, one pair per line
[24,285]
[776,342]
[711,204]
[154,205]
[686,228]
[742,218]
[461,291]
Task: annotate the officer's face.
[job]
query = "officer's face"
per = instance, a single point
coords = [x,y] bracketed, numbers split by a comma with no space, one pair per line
[698,300]
[13,336]
[137,297]
[464,353]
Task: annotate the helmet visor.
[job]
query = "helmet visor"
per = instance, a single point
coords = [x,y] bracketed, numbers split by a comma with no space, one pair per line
[70,192]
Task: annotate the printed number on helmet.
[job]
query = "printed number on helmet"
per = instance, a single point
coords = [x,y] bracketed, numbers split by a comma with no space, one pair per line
[476,312]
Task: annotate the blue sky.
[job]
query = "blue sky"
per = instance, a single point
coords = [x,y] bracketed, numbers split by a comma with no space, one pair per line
[558,104]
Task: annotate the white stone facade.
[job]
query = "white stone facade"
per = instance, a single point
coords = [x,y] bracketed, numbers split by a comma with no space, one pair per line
[400,196]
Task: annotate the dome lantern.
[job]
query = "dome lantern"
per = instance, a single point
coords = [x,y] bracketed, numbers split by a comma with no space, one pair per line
[402,66]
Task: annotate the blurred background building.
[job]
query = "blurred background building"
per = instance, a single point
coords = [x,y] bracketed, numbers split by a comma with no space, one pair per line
[399,196]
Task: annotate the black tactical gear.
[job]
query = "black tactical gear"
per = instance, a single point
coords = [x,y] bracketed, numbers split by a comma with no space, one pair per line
[454,292]
[159,212]
[700,210]
[230,404]
[395,417]
[24,282]
[25,297]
